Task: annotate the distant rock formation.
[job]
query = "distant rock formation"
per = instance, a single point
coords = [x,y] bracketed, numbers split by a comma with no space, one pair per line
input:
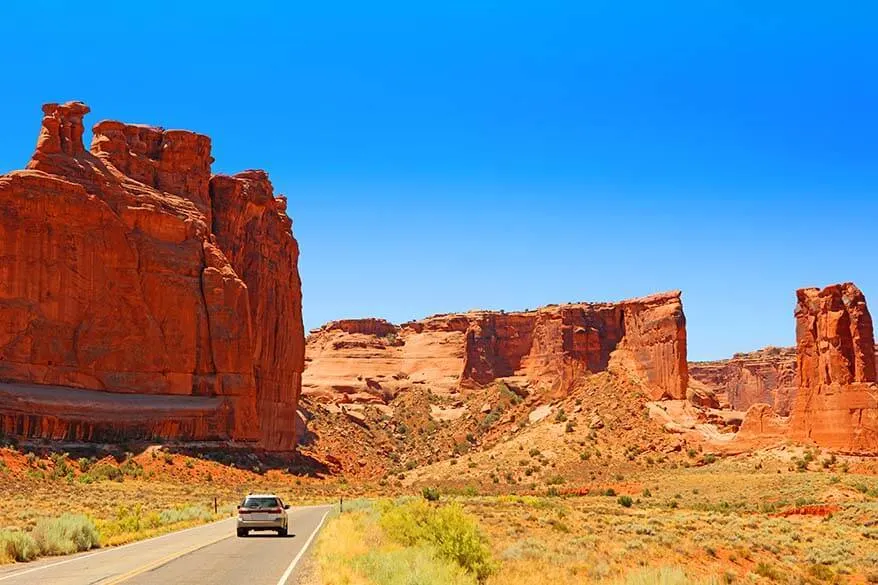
[837,401]
[131,271]
[371,360]
[766,376]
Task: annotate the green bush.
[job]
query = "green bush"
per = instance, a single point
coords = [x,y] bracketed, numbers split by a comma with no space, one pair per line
[18,546]
[430,494]
[448,530]
[625,501]
[101,472]
[65,535]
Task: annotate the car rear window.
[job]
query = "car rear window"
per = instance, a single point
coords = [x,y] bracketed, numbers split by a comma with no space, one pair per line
[257,503]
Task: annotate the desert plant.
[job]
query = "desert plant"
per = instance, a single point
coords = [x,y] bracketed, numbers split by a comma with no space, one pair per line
[448,529]
[17,546]
[430,494]
[67,534]
[625,501]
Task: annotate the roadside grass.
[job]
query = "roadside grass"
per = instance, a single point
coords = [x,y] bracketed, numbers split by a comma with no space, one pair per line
[401,543]
[730,523]
[120,502]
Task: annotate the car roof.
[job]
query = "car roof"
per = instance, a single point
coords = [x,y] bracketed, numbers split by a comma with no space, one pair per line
[262,496]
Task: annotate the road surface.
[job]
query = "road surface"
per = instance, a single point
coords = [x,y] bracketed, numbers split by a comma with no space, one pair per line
[205,555]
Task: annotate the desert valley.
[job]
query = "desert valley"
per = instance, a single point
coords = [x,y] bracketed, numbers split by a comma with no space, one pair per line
[154,368]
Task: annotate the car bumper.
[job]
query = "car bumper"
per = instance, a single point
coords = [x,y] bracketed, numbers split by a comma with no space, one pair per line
[271,524]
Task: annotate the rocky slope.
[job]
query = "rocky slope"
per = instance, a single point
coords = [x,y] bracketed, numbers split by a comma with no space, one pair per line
[837,401]
[129,269]
[380,396]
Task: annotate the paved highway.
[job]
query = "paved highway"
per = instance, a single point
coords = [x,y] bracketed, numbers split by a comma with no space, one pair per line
[205,555]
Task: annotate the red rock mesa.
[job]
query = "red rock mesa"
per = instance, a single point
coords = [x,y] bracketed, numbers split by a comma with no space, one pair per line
[371,360]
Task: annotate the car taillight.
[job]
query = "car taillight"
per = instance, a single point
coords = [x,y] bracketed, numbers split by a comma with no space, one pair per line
[274,510]
[244,511]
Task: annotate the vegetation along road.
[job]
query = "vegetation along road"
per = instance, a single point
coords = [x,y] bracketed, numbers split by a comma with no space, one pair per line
[206,555]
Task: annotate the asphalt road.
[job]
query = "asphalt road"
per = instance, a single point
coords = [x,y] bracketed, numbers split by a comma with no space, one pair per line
[205,555]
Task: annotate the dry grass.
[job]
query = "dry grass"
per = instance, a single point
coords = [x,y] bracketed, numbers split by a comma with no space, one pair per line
[128,500]
[721,523]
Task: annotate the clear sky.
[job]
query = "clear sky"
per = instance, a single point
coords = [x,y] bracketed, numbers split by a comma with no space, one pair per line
[443,156]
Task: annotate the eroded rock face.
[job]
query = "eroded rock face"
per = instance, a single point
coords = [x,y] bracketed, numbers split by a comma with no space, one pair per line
[369,359]
[253,231]
[766,376]
[127,269]
[837,401]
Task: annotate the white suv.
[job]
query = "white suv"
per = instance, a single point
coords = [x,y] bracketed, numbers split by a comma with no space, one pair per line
[263,512]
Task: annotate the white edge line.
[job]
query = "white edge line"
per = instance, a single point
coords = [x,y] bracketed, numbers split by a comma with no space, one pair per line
[289,571]
[110,549]
[138,542]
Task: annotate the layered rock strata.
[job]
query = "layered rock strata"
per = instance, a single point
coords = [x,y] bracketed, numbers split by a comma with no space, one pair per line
[837,401]
[129,269]
[372,360]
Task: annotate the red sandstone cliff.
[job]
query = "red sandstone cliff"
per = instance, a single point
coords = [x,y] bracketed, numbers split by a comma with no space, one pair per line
[370,360]
[129,269]
[837,401]
[767,376]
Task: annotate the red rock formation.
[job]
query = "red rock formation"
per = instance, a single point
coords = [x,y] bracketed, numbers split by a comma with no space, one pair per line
[765,376]
[837,402]
[761,426]
[252,229]
[115,275]
[550,347]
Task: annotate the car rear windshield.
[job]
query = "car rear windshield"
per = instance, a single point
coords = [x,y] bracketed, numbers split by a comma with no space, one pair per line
[257,503]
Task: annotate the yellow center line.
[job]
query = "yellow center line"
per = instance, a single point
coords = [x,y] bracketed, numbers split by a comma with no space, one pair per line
[163,561]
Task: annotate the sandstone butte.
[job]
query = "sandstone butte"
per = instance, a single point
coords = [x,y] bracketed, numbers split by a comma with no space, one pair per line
[372,360]
[141,296]
[837,401]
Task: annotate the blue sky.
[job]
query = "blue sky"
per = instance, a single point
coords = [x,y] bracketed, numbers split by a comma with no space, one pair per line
[453,155]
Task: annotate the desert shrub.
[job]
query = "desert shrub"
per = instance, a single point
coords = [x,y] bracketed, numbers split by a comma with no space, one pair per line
[60,466]
[610,492]
[67,534]
[131,468]
[558,525]
[647,493]
[17,546]
[768,571]
[448,529]
[491,418]
[430,494]
[101,472]
[184,514]
[659,576]
[561,416]
[625,501]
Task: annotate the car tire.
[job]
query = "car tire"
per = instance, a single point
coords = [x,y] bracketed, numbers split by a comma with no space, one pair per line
[282,532]
[242,533]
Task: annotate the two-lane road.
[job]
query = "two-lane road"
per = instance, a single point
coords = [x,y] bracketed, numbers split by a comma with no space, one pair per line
[205,555]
